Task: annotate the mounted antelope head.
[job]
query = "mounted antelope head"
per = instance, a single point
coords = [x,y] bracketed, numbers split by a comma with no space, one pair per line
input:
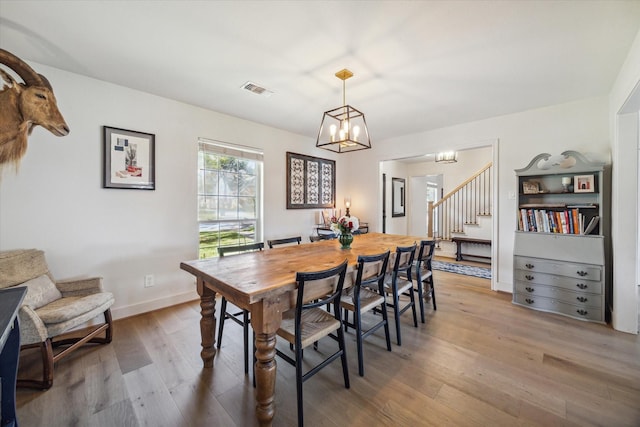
[24,106]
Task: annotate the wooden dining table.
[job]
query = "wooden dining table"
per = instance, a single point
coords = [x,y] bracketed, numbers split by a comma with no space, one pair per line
[264,283]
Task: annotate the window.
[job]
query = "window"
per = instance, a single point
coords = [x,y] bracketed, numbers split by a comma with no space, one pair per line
[229,196]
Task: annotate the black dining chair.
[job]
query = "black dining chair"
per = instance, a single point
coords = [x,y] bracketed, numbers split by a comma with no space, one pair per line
[396,286]
[285,241]
[240,317]
[366,294]
[423,273]
[307,323]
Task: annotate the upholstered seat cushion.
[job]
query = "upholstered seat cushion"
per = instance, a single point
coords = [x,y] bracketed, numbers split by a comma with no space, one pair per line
[41,291]
[69,312]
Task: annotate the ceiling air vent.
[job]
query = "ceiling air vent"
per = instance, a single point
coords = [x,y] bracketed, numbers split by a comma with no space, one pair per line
[252,87]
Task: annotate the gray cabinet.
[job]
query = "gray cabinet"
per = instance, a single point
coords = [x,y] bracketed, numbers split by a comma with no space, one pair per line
[560,252]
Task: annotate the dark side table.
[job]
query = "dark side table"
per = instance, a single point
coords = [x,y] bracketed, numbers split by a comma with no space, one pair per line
[10,300]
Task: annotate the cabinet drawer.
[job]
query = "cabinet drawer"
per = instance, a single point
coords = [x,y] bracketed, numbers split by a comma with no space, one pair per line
[556,306]
[569,269]
[531,291]
[567,283]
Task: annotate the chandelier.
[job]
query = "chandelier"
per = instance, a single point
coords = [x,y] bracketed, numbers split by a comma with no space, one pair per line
[447,157]
[343,129]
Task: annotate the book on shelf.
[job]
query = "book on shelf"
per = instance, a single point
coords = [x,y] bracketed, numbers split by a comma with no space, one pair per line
[567,221]
[592,225]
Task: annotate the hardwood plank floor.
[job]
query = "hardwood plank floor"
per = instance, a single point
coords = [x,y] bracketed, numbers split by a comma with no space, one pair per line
[477,361]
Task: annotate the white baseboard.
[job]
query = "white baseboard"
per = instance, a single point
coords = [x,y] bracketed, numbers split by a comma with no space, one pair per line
[144,307]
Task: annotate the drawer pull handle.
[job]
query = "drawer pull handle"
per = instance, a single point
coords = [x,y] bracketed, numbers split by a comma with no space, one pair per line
[529,265]
[582,312]
[582,299]
[581,286]
[529,301]
[528,277]
[581,273]
[529,289]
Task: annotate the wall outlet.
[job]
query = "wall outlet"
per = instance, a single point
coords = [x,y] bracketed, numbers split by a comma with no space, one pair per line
[148,280]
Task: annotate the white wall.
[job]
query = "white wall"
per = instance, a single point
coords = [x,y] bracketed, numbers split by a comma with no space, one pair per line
[55,201]
[395,225]
[623,112]
[580,126]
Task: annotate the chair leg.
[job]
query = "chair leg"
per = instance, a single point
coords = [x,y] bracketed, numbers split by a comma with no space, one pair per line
[421,299]
[358,321]
[223,316]
[343,357]
[412,297]
[433,293]
[108,320]
[245,330]
[299,384]
[46,353]
[396,315]
[385,316]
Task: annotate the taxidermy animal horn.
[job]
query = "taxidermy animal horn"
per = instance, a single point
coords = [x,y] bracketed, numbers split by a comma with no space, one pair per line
[24,106]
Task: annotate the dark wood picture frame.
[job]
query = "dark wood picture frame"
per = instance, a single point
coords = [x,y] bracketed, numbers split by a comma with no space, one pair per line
[129,159]
[398,195]
[311,182]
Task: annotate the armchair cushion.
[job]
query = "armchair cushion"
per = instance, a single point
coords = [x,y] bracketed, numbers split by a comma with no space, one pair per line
[41,291]
[67,313]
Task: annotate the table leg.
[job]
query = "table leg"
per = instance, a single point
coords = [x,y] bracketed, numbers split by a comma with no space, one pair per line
[266,317]
[207,323]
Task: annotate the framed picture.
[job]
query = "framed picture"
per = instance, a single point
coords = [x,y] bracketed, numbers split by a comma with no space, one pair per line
[311,182]
[583,184]
[397,197]
[530,187]
[129,159]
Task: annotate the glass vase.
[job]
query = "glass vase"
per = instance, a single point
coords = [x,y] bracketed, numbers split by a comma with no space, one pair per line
[345,240]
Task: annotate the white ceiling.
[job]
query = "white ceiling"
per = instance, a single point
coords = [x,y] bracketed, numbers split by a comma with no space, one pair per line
[418,65]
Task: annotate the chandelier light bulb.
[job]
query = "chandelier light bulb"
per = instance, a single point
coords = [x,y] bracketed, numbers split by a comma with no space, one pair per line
[356,132]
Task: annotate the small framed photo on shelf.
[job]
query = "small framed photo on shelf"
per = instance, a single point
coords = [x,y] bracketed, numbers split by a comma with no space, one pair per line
[583,184]
[530,187]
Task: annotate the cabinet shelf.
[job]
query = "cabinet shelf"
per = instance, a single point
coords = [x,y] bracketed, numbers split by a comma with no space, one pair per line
[561,233]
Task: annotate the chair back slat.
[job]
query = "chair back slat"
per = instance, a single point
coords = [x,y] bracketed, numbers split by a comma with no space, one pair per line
[371,272]
[286,240]
[404,258]
[226,250]
[320,287]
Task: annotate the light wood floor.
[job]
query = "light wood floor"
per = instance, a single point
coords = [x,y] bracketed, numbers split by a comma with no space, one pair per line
[478,361]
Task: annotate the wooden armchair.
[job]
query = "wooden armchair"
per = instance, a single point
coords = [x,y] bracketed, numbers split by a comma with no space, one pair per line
[51,309]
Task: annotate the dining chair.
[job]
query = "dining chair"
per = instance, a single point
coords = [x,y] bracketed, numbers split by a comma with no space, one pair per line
[307,323]
[395,285]
[366,294]
[423,274]
[276,242]
[240,317]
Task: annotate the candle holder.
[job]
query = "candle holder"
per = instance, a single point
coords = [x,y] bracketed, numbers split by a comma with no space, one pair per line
[566,184]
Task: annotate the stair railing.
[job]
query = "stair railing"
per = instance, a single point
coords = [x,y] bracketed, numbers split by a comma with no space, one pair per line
[461,206]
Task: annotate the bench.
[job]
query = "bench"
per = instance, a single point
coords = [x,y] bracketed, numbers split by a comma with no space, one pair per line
[460,240]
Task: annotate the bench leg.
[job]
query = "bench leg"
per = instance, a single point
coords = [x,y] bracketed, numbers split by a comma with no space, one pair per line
[459,251]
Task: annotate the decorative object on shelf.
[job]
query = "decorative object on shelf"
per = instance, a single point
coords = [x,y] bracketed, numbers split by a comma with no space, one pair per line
[311,182]
[566,183]
[397,197]
[530,187]
[344,228]
[447,157]
[347,204]
[343,129]
[129,159]
[583,184]
[23,107]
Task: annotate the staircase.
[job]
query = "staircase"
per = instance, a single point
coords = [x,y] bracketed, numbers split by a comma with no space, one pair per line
[461,207]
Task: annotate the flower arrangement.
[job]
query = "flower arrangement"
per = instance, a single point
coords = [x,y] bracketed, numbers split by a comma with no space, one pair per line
[344,225]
